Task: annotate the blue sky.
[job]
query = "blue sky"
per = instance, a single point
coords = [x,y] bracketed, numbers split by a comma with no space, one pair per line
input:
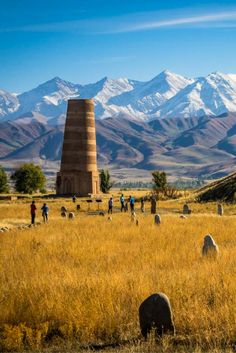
[83,41]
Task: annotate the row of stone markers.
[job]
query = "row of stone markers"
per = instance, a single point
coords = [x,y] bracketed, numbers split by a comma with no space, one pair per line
[20,227]
[187,210]
[4,229]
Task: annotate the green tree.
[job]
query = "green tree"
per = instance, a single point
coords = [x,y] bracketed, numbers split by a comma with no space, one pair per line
[29,178]
[3,181]
[159,179]
[105,181]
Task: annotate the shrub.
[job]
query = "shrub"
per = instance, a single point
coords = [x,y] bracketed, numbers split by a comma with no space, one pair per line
[160,180]
[3,181]
[29,178]
[105,181]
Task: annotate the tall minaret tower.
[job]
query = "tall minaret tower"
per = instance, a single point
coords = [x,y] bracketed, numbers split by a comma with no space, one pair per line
[78,173]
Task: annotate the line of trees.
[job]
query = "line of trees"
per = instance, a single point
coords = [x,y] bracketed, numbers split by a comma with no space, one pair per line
[27,179]
[160,186]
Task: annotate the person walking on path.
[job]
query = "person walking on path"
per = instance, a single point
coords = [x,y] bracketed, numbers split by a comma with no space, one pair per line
[33,209]
[142,205]
[110,205]
[45,210]
[74,198]
[131,202]
[122,203]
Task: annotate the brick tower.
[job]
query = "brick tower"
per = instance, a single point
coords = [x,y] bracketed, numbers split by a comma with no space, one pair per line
[78,174]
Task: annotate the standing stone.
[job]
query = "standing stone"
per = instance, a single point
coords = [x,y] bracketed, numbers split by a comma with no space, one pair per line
[153,205]
[186,209]
[182,216]
[155,313]
[78,173]
[71,215]
[157,219]
[210,248]
[220,209]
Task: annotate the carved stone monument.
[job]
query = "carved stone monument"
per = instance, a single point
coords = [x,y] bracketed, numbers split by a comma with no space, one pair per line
[153,205]
[78,174]
[186,209]
[220,209]
[157,219]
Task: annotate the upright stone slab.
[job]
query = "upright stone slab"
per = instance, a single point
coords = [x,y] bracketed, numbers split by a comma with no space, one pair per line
[153,205]
[157,219]
[186,209]
[78,174]
[220,209]
[210,247]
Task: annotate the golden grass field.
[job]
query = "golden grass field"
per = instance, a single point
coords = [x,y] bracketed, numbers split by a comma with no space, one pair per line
[73,283]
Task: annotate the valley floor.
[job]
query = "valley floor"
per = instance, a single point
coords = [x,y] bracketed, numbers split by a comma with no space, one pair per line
[82,280]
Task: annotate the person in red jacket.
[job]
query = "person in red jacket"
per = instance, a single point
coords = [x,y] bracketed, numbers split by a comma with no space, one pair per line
[33,212]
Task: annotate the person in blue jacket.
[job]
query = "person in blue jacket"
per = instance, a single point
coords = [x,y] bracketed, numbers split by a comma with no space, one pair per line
[131,202]
[45,210]
[122,203]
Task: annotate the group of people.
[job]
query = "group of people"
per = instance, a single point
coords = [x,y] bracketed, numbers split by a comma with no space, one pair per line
[124,205]
[33,209]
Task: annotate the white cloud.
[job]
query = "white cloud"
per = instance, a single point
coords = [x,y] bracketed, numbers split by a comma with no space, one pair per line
[208,18]
[137,22]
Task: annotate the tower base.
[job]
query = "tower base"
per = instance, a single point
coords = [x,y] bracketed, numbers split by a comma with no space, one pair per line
[79,183]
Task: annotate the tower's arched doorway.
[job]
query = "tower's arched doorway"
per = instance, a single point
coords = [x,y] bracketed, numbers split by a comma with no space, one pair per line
[68,186]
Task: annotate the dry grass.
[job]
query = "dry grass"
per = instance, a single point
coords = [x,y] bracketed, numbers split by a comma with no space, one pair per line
[83,280]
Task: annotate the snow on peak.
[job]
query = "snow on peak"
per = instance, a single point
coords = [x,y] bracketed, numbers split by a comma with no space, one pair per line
[166,95]
[8,103]
[214,94]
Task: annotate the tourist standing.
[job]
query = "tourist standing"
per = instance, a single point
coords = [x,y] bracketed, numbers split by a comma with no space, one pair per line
[131,202]
[33,209]
[122,203]
[142,204]
[110,205]
[45,210]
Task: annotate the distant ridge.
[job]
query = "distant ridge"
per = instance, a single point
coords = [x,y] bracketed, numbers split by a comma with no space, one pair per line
[220,190]
[185,126]
[190,148]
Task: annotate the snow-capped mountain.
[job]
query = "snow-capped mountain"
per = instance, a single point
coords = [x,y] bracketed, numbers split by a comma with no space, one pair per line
[166,95]
[48,99]
[104,90]
[150,95]
[211,95]
[8,103]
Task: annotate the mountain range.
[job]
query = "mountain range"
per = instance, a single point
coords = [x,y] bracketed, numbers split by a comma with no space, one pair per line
[182,125]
